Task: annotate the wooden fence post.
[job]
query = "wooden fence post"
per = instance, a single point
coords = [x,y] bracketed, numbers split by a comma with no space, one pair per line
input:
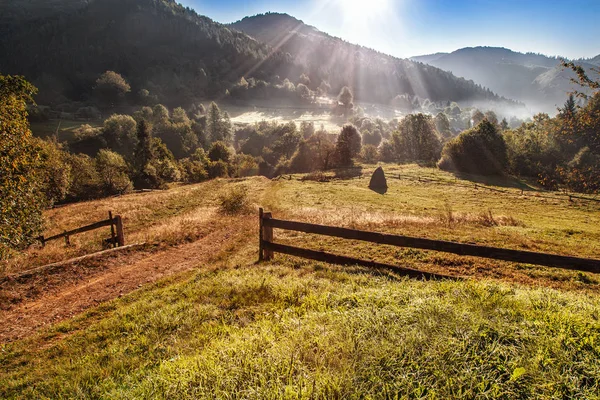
[112,230]
[267,237]
[120,235]
[260,234]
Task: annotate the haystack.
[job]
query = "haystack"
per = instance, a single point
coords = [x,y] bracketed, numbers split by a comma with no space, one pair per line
[378,181]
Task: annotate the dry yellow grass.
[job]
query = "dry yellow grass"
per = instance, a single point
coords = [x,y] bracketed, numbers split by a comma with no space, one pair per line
[180,214]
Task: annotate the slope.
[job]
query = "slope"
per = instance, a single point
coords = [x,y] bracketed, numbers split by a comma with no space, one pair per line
[156,45]
[210,322]
[374,76]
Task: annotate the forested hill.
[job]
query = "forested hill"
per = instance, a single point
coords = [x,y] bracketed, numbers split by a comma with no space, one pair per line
[156,45]
[535,79]
[374,76]
[177,57]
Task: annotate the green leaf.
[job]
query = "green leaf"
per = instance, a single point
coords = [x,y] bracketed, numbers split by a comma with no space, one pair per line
[517,373]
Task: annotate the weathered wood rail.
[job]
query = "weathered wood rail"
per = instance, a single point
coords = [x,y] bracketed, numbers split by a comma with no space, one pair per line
[117,236]
[267,247]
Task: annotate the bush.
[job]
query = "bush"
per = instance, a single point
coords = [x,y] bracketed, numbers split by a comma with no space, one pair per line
[480,150]
[235,201]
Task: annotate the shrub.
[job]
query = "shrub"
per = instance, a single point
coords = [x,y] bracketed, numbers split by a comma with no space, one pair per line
[480,150]
[235,201]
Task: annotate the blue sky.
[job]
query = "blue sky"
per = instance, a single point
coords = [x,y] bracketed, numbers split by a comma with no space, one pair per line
[407,28]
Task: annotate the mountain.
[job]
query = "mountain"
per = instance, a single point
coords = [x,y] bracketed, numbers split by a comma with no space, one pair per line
[535,79]
[428,58]
[157,45]
[180,57]
[374,76]
[593,61]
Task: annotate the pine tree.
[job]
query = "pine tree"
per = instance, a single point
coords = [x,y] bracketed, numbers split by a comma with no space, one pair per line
[219,124]
[143,153]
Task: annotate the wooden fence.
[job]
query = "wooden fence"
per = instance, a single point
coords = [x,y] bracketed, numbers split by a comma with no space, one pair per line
[267,248]
[117,238]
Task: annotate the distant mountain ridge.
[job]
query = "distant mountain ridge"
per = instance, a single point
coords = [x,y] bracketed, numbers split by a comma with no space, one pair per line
[535,79]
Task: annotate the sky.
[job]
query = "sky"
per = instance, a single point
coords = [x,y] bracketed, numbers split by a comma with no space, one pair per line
[406,28]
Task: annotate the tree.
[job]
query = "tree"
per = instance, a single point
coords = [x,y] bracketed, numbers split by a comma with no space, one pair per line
[21,201]
[348,145]
[346,98]
[324,88]
[120,134]
[373,138]
[143,152]
[55,171]
[492,117]
[480,150]
[304,80]
[219,152]
[111,88]
[112,170]
[477,117]
[369,154]
[416,139]
[219,126]
[303,160]
[442,124]
[303,92]
[85,180]
[307,129]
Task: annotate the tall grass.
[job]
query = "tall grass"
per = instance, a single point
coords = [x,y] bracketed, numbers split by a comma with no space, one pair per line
[301,330]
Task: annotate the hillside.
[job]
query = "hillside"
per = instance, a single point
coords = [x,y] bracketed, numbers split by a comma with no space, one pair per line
[374,76]
[181,57]
[156,45]
[192,315]
[534,79]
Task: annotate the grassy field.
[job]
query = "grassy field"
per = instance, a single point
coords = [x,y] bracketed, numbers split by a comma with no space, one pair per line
[232,328]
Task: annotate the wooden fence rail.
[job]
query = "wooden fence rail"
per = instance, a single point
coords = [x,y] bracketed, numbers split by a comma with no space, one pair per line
[267,247]
[117,237]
